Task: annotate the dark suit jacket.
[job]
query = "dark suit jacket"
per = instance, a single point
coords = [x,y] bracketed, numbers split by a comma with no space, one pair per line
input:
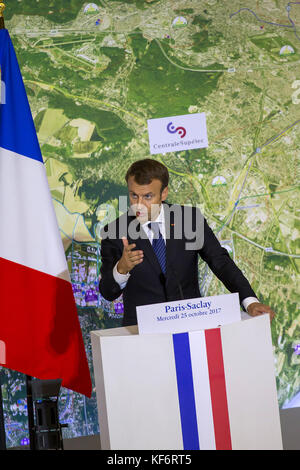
[147,284]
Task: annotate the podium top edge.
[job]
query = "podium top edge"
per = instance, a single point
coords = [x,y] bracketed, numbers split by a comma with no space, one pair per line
[131,331]
[121,331]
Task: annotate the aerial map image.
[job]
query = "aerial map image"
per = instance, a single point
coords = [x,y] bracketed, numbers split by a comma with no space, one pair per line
[95,73]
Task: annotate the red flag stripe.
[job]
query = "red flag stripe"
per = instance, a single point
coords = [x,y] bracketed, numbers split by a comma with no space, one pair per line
[218,389]
[40,327]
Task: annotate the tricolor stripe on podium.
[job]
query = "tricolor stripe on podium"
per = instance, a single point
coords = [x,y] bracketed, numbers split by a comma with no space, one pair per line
[202,390]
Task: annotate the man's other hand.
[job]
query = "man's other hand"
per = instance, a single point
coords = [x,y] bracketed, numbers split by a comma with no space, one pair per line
[256,308]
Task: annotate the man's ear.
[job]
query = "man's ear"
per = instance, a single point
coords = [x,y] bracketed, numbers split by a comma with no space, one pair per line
[164,194]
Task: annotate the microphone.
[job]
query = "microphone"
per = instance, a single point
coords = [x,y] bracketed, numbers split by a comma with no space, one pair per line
[178,282]
[162,279]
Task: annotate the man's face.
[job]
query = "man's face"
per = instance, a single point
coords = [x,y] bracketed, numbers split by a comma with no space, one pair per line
[145,200]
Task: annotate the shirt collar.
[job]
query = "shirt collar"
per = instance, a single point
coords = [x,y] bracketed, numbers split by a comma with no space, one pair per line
[160,218]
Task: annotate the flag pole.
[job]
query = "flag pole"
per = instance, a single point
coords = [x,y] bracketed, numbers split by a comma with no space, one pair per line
[2,7]
[31,427]
[2,426]
[28,379]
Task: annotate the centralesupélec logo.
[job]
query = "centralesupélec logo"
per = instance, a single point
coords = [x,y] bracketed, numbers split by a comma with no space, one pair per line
[177,133]
[173,130]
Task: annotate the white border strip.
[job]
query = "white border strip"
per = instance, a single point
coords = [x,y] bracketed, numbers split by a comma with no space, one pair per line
[202,391]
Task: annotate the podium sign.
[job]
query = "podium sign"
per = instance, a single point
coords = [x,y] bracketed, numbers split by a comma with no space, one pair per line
[189,314]
[212,389]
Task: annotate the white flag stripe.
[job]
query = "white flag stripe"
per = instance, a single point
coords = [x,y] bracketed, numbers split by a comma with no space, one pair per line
[202,391]
[29,232]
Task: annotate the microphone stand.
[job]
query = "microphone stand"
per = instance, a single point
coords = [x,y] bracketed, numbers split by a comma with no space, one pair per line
[177,281]
[31,426]
[162,279]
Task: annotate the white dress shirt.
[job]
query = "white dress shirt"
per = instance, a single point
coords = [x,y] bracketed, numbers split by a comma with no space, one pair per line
[122,279]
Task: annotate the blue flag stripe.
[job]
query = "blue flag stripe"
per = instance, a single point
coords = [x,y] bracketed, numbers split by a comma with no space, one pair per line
[17,130]
[186,391]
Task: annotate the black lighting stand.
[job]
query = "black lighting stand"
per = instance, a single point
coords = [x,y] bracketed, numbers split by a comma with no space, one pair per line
[2,426]
[45,431]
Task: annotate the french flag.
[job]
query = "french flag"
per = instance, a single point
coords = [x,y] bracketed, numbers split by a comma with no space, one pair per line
[226,387]
[40,333]
[202,390]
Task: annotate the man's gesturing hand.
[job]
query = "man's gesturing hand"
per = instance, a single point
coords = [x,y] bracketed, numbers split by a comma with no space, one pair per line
[256,308]
[130,257]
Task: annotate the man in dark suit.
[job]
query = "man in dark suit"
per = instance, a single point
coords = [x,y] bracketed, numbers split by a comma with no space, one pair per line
[150,254]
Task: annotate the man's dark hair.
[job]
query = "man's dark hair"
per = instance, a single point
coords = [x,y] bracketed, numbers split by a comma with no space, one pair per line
[146,170]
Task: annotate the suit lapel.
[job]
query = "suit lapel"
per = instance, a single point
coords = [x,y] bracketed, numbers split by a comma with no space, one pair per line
[143,243]
[171,245]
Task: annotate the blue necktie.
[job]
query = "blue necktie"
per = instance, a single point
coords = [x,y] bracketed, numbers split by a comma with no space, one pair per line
[158,245]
